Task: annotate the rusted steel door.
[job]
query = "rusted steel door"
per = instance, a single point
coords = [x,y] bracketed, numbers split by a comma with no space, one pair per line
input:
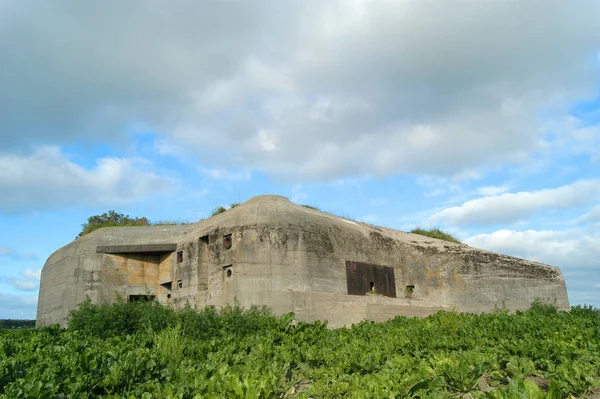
[363,278]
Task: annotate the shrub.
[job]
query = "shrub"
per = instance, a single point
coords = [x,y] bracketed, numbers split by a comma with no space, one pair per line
[540,307]
[221,208]
[120,318]
[436,233]
[218,210]
[127,318]
[111,219]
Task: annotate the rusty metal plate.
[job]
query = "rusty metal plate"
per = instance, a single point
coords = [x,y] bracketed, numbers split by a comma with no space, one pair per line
[227,241]
[364,278]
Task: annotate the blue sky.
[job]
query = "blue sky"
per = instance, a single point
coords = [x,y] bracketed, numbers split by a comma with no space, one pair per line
[481,118]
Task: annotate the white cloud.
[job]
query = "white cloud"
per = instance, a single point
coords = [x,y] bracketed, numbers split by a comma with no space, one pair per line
[11,253]
[437,186]
[493,190]
[512,207]
[34,275]
[574,135]
[28,282]
[47,179]
[25,285]
[224,174]
[18,306]
[592,216]
[564,248]
[300,89]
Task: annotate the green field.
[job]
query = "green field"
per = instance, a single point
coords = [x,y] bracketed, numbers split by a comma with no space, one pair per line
[144,350]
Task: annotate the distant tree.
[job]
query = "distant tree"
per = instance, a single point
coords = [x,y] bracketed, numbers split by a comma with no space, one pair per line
[16,324]
[111,219]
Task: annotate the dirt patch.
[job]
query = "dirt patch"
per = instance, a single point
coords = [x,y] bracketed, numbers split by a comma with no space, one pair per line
[540,382]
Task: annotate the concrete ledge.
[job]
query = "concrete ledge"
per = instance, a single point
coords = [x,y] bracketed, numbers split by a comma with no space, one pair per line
[137,248]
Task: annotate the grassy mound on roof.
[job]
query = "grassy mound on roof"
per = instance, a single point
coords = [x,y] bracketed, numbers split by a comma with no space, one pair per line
[436,233]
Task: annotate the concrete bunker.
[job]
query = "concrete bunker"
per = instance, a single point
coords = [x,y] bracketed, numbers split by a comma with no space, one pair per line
[269,251]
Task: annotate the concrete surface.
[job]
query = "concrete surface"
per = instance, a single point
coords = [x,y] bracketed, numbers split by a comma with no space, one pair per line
[293,259]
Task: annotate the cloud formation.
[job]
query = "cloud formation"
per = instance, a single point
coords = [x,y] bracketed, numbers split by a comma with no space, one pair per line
[18,307]
[592,216]
[573,248]
[512,207]
[28,282]
[299,89]
[47,179]
[10,253]
[226,175]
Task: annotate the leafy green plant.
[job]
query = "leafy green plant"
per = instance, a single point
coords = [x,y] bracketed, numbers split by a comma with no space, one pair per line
[461,371]
[519,389]
[111,219]
[147,350]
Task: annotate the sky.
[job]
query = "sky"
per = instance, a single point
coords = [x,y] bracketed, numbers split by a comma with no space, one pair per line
[481,118]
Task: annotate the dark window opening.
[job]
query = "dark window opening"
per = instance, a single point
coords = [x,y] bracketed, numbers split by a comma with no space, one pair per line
[409,290]
[364,278]
[168,285]
[203,260]
[179,256]
[168,296]
[145,298]
[227,272]
[180,283]
[227,241]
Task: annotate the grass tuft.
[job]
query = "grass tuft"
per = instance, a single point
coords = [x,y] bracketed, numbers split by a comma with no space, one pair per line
[221,208]
[436,233]
[314,208]
[218,210]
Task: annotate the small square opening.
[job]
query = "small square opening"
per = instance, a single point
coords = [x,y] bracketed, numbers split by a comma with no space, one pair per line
[179,256]
[204,239]
[180,283]
[409,290]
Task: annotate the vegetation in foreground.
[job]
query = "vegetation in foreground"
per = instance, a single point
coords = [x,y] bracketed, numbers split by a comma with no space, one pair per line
[436,233]
[145,350]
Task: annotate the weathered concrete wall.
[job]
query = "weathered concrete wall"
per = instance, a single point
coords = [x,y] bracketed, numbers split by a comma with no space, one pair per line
[271,252]
[285,256]
[78,270]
